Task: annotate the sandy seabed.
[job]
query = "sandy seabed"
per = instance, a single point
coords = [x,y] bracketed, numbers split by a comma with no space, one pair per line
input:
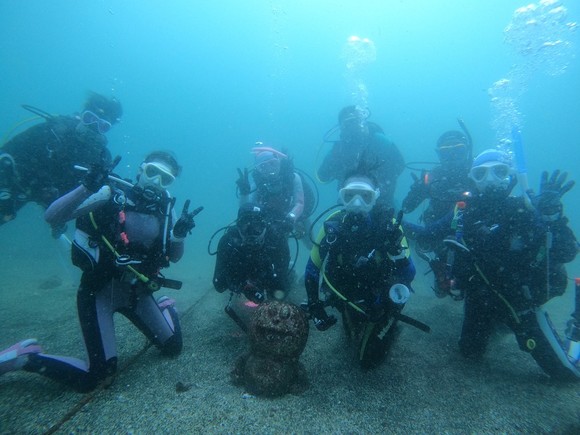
[424,386]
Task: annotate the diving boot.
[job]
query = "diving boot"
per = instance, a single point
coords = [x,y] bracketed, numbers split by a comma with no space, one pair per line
[15,357]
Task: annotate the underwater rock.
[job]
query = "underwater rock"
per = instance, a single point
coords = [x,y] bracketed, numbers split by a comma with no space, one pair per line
[278,329]
[278,334]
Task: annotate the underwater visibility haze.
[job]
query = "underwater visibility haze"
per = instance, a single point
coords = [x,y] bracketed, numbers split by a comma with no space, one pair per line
[207,80]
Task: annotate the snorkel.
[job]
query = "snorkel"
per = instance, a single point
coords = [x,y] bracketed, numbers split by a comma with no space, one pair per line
[520,161]
[461,123]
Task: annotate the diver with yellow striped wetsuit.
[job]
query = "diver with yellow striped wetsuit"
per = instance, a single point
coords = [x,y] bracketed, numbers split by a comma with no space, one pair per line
[360,265]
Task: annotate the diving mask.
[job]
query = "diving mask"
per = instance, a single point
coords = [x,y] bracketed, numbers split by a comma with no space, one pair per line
[492,175]
[358,197]
[453,154]
[252,229]
[269,167]
[89,118]
[156,174]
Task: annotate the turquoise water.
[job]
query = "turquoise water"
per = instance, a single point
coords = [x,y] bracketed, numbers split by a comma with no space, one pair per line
[209,79]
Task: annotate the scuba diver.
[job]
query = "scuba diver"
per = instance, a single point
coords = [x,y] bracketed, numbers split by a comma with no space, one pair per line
[442,186]
[363,144]
[37,165]
[507,257]
[125,234]
[363,260]
[249,259]
[445,184]
[277,189]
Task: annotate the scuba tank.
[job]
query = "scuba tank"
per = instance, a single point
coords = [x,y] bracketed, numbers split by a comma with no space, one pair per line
[457,241]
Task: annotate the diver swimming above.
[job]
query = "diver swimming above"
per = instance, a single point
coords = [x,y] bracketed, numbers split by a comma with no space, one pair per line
[37,165]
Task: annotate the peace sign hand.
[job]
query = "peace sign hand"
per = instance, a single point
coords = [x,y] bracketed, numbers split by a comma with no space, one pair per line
[185,223]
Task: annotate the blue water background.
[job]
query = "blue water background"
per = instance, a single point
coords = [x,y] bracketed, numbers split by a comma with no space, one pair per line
[208,79]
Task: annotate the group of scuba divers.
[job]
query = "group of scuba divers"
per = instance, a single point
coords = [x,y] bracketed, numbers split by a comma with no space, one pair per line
[503,255]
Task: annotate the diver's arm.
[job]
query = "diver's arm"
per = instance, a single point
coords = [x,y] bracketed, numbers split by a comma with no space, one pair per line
[312,272]
[250,197]
[177,244]
[565,246]
[328,170]
[224,264]
[176,249]
[417,194]
[298,197]
[77,202]
[311,279]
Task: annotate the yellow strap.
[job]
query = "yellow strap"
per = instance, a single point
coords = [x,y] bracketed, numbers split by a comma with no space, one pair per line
[499,295]
[139,275]
[7,136]
[341,296]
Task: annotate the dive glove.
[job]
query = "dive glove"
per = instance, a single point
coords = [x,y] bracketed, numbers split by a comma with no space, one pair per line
[243,182]
[185,223]
[287,224]
[321,320]
[97,176]
[253,292]
[552,189]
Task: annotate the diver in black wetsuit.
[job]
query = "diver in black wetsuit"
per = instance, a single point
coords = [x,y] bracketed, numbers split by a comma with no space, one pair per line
[37,165]
[507,256]
[361,265]
[250,260]
[124,236]
[442,187]
[363,144]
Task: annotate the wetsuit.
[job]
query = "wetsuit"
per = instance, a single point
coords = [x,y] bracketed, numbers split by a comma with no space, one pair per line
[106,287]
[250,269]
[376,153]
[279,197]
[442,187]
[38,164]
[360,258]
[502,269]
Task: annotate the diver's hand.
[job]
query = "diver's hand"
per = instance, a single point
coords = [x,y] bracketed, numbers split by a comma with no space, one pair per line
[548,202]
[321,320]
[185,223]
[97,176]
[243,182]
[253,292]
[417,193]
[287,225]
[58,229]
